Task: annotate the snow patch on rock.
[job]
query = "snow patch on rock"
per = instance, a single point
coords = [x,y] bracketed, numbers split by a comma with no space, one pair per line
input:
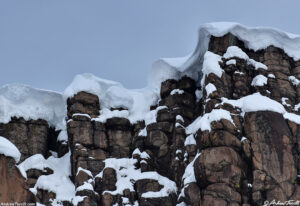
[9,149]
[58,182]
[259,81]
[203,122]
[126,172]
[210,88]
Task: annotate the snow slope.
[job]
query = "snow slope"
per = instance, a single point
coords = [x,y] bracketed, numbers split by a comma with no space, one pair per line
[58,182]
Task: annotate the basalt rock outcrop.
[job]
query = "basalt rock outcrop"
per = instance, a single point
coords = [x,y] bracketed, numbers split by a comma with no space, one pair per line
[13,185]
[252,159]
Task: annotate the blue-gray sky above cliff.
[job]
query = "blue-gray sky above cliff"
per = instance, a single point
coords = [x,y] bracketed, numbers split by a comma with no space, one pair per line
[45,43]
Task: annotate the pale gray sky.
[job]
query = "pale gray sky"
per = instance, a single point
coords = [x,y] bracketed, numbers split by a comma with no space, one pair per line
[46,43]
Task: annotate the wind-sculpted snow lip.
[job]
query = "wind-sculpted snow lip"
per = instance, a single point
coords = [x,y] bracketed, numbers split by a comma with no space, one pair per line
[255,38]
[22,101]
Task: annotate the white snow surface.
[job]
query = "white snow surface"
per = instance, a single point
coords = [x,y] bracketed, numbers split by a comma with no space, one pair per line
[297,106]
[136,102]
[257,102]
[254,38]
[179,118]
[190,140]
[62,136]
[271,76]
[259,80]
[9,149]
[17,100]
[211,64]
[294,80]
[143,155]
[231,61]
[203,122]
[58,182]
[176,91]
[210,88]
[189,175]
[85,186]
[234,51]
[126,172]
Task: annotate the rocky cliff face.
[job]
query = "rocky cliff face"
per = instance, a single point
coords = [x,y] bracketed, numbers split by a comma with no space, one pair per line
[208,146]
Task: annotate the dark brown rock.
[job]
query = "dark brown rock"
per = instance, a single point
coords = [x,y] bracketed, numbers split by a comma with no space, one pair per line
[83,103]
[193,195]
[219,165]
[167,86]
[273,160]
[221,194]
[13,187]
[30,137]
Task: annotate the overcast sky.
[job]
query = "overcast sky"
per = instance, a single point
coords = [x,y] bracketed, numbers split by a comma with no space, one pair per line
[46,43]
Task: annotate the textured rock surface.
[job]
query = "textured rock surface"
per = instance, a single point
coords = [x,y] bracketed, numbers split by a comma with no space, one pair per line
[13,187]
[30,137]
[246,161]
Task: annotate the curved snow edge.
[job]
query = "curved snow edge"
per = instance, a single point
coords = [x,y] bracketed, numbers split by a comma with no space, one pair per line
[255,38]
